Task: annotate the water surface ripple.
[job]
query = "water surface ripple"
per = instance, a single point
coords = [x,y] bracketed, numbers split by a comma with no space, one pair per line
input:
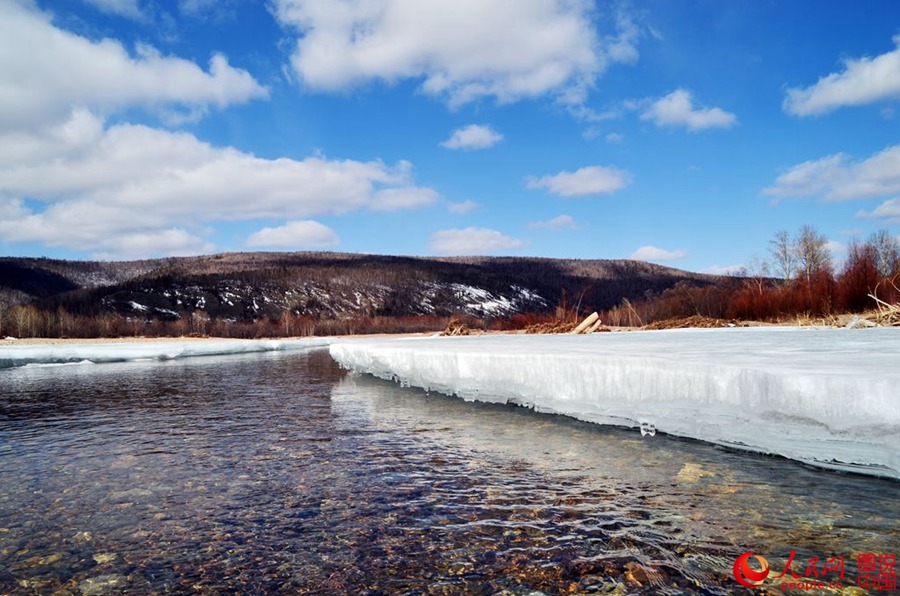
[277,473]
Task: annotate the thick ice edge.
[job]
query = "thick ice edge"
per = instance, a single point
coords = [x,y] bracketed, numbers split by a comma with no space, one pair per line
[829,397]
[56,354]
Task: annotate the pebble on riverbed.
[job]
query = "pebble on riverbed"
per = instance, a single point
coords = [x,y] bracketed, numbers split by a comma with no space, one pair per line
[102,558]
[102,584]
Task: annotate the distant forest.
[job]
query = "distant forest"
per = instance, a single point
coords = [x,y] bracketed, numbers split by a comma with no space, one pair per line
[318,293]
[797,281]
[291,294]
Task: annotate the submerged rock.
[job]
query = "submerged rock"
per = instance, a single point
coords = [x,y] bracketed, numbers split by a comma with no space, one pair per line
[691,473]
[118,495]
[102,584]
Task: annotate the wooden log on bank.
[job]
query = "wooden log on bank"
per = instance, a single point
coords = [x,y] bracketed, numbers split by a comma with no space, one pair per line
[586,324]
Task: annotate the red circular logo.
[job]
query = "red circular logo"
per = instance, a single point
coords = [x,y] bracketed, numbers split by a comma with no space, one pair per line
[746,575]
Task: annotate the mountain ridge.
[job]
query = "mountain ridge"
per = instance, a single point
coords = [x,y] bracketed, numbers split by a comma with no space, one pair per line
[246,286]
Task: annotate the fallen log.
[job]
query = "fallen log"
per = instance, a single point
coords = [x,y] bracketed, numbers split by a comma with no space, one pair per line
[594,327]
[585,324]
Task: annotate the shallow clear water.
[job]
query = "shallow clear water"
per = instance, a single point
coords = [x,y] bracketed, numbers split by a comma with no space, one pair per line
[278,473]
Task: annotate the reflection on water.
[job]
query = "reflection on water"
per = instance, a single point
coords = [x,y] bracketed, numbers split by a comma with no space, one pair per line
[276,473]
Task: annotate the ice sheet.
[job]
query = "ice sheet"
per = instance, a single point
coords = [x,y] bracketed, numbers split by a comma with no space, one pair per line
[55,354]
[830,397]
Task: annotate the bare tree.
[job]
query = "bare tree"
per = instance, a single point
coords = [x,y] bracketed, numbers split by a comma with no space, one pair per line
[784,255]
[756,273]
[25,317]
[887,252]
[813,255]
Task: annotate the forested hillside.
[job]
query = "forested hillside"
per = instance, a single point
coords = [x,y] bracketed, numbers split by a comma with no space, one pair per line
[298,293]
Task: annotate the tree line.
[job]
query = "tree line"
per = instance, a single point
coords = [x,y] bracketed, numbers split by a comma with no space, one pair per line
[799,279]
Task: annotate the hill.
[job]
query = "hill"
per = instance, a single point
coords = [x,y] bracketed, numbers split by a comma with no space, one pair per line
[247,287]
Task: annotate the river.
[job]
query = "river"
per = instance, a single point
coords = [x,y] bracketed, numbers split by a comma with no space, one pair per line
[281,473]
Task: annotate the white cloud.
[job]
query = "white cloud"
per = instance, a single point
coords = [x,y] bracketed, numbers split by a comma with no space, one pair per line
[614,137]
[863,81]
[726,270]
[295,234]
[836,178]
[835,248]
[405,197]
[556,224]
[888,211]
[87,184]
[198,7]
[473,241]
[47,71]
[473,136]
[461,50]
[173,242]
[677,109]
[622,47]
[590,180]
[462,207]
[123,8]
[590,133]
[652,253]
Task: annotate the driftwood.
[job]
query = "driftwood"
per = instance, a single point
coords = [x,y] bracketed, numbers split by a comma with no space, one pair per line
[456,327]
[554,327]
[586,324]
[595,326]
[589,325]
[695,321]
[888,314]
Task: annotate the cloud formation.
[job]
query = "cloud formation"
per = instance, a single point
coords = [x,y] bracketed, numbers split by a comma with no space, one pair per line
[473,241]
[556,224]
[199,8]
[473,136]
[461,50]
[863,81]
[67,179]
[294,234]
[123,8]
[46,71]
[172,242]
[590,180]
[462,207]
[889,211]
[837,178]
[652,253]
[87,183]
[726,270]
[677,109]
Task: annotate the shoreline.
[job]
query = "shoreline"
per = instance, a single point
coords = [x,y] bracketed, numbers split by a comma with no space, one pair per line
[834,322]
[74,341]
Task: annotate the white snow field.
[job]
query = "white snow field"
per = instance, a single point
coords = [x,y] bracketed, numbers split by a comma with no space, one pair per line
[829,397]
[56,354]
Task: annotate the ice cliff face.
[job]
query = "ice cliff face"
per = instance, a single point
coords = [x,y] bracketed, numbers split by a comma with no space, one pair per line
[12,356]
[827,397]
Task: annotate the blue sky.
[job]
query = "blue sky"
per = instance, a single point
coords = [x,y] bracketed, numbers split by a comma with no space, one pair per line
[683,132]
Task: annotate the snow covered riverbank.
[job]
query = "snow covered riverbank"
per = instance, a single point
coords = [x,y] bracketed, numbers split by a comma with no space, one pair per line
[69,353]
[830,397]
